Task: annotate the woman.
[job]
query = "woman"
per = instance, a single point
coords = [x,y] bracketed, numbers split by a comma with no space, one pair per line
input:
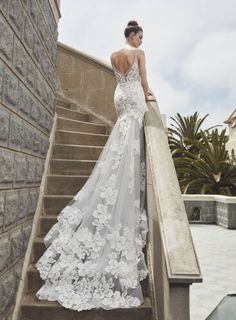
[94,256]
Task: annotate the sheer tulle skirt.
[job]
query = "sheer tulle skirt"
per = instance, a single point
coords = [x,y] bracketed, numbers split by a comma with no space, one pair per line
[94,256]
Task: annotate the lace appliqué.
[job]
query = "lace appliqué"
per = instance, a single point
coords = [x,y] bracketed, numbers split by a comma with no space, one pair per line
[94,256]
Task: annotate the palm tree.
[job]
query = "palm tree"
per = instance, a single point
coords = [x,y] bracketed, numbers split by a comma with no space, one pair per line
[186,134]
[210,171]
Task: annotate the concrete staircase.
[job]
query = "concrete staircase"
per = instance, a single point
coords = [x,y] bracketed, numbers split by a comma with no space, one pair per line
[78,144]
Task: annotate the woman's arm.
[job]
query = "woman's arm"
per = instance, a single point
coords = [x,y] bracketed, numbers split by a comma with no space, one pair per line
[142,69]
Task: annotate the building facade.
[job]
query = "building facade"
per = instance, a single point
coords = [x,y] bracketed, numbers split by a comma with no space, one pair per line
[28,82]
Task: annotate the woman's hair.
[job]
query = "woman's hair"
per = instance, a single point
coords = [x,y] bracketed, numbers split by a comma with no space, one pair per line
[132,26]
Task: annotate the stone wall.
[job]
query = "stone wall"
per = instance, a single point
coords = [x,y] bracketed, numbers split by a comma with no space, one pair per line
[28,54]
[214,209]
[87,80]
[207,210]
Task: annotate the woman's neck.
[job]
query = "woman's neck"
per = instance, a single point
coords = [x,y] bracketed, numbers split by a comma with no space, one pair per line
[128,46]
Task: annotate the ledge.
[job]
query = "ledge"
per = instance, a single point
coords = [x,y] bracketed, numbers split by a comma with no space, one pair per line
[209,197]
[168,210]
[85,56]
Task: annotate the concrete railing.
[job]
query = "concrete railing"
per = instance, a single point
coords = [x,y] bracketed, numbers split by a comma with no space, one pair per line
[172,259]
[87,80]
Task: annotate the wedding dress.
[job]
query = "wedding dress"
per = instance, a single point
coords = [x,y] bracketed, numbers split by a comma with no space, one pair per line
[94,253]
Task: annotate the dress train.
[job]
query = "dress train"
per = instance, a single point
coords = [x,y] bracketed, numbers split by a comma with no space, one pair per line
[94,256]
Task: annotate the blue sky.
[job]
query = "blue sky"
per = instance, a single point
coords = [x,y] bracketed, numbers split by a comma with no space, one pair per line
[190,48]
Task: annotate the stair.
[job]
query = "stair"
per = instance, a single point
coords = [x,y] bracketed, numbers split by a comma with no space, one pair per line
[78,144]
[82,126]
[76,152]
[50,310]
[65,184]
[53,204]
[70,166]
[71,114]
[78,138]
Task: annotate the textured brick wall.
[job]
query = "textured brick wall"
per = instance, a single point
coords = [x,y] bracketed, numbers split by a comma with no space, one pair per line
[207,209]
[28,53]
[221,213]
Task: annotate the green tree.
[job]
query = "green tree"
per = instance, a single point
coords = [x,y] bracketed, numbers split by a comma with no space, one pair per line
[186,134]
[202,163]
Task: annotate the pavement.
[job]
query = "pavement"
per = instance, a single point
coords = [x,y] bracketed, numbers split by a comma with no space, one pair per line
[216,251]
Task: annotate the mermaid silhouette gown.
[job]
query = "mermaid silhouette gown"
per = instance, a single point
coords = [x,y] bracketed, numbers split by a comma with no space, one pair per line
[94,252]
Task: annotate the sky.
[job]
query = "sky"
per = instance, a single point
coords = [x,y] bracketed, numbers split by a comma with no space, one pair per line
[189,45]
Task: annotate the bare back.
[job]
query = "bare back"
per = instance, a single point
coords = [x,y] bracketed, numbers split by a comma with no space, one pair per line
[124,58]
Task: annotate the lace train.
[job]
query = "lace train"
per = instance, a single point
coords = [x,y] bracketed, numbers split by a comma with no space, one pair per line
[94,256]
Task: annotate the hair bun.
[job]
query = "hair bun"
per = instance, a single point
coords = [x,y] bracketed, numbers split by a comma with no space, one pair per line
[132,23]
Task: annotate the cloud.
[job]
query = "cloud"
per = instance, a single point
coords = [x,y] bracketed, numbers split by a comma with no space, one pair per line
[189,46]
[171,100]
[212,61]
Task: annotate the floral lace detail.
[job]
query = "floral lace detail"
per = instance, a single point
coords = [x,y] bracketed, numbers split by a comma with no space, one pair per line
[109,193]
[94,256]
[129,96]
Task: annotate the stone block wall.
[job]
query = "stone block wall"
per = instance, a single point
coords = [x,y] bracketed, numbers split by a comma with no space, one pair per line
[226,215]
[28,55]
[220,210]
[207,209]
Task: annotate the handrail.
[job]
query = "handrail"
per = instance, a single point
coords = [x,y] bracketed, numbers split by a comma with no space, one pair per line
[172,254]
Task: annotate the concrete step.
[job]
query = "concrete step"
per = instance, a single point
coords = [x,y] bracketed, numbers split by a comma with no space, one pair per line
[35,282]
[63,102]
[80,138]
[71,114]
[76,152]
[76,167]
[45,224]
[65,184]
[35,309]
[53,204]
[38,249]
[82,126]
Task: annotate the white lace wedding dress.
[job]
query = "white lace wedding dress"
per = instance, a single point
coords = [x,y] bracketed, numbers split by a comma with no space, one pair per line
[94,256]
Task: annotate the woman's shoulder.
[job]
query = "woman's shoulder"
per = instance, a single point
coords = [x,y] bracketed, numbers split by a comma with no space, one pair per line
[126,51]
[140,51]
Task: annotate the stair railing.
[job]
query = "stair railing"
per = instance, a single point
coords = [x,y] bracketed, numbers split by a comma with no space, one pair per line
[173,263]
